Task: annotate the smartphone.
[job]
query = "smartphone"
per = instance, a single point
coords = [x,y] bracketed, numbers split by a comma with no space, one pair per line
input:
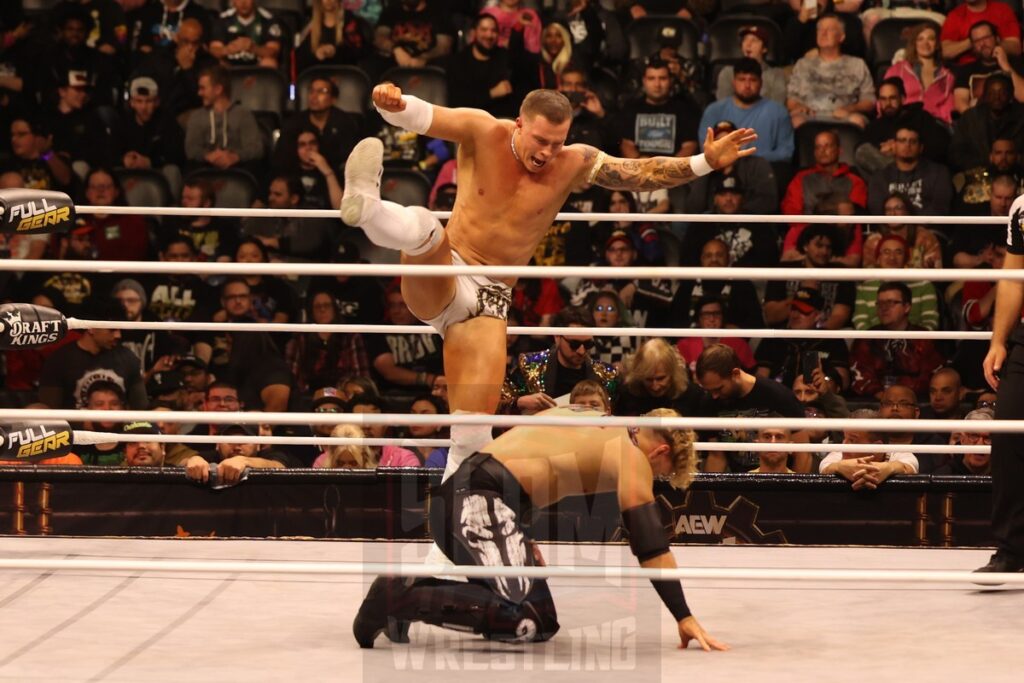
[809,362]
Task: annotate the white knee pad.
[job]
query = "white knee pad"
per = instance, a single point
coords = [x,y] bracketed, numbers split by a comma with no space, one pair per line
[429,227]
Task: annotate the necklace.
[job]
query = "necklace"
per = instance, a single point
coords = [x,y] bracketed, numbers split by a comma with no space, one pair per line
[512,143]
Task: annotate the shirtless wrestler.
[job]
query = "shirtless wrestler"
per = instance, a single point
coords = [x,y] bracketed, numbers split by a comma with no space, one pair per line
[513,179]
[476,518]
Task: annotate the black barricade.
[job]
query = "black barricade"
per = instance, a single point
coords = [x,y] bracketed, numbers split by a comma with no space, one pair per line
[392,504]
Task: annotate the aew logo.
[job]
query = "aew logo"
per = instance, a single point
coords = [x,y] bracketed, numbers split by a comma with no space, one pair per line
[35,216]
[33,441]
[29,332]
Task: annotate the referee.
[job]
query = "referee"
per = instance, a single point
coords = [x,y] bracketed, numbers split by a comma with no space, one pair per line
[1004,370]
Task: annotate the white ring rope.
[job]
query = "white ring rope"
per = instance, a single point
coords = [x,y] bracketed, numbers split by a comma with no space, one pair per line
[511,272]
[860,576]
[83,436]
[88,437]
[564,420]
[582,216]
[762,333]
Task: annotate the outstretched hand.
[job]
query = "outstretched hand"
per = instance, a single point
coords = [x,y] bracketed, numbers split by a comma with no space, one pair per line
[726,149]
[690,629]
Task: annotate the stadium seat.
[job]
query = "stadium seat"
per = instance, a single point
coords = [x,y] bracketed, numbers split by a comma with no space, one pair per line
[405,186]
[642,35]
[259,89]
[427,83]
[353,87]
[144,187]
[233,188]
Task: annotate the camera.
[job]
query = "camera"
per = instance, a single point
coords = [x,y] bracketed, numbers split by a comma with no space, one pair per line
[575,98]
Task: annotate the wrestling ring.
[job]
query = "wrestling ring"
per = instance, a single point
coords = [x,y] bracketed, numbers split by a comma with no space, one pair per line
[143,609]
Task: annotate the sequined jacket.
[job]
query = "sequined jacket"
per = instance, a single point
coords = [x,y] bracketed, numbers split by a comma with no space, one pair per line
[535,372]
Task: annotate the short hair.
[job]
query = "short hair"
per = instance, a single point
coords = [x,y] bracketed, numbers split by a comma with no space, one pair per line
[819,230]
[910,128]
[220,384]
[551,104]
[178,238]
[107,386]
[772,414]
[656,63]
[1005,179]
[206,190]
[983,23]
[900,287]
[573,69]
[218,75]
[896,82]
[680,441]
[908,203]
[747,65]
[868,414]
[719,359]
[233,280]
[332,87]
[997,77]
[366,400]
[362,381]
[830,131]
[573,315]
[651,354]
[708,300]
[292,181]
[586,387]
[483,16]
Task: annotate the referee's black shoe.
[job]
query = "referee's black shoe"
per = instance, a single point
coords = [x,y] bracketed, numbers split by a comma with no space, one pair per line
[1000,563]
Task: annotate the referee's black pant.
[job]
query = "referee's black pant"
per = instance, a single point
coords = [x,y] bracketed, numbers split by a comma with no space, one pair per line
[1008,459]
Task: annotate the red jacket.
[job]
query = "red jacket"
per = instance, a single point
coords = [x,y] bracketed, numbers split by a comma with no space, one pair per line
[810,184]
[876,363]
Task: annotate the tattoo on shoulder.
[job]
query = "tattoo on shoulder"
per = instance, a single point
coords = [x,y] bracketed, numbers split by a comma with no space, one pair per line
[644,174]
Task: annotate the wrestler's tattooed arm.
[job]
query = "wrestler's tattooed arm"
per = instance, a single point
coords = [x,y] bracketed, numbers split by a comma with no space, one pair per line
[643,174]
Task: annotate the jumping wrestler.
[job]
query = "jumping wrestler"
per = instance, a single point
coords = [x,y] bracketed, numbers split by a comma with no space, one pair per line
[476,515]
[513,179]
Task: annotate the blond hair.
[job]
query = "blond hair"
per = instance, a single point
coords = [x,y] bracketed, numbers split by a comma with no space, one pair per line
[652,354]
[561,60]
[315,25]
[364,457]
[680,441]
[551,104]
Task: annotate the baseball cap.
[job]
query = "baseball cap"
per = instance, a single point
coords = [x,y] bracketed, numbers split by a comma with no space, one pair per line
[192,361]
[143,86]
[730,184]
[346,253]
[327,395]
[240,428]
[140,427]
[758,31]
[77,78]
[670,36]
[807,300]
[164,383]
[618,236]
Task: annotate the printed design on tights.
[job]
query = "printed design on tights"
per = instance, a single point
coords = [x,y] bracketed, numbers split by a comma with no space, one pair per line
[1014,235]
[488,539]
[494,301]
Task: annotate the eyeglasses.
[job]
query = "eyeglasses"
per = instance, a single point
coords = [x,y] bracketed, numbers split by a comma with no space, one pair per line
[222,400]
[326,409]
[986,404]
[902,405]
[601,308]
[587,345]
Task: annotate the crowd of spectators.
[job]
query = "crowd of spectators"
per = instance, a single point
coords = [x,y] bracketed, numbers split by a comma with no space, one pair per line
[862,108]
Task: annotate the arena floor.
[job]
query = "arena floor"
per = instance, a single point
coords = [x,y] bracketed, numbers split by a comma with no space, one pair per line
[119,626]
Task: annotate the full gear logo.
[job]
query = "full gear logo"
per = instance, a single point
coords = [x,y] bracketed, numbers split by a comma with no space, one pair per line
[701,519]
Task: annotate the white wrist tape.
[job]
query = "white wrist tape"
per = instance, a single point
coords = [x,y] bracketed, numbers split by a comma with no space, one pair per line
[700,165]
[417,115]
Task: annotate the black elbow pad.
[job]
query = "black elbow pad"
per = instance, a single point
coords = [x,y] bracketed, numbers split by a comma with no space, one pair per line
[647,536]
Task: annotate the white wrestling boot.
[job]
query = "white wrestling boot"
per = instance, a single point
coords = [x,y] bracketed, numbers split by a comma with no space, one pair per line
[413,229]
[363,172]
